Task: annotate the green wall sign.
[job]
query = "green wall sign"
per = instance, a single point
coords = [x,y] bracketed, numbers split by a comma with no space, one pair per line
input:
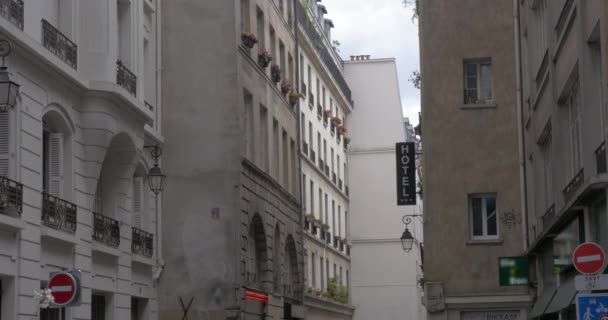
[513,271]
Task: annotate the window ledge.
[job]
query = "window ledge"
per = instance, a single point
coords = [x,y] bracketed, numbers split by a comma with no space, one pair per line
[479,106]
[495,242]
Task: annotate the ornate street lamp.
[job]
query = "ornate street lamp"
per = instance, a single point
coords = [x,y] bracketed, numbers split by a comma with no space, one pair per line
[407,239]
[156,178]
[9,89]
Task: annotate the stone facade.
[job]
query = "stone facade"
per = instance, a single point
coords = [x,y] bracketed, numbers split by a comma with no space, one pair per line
[75,145]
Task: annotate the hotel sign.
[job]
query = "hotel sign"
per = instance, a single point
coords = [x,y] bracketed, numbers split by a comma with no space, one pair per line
[406,173]
[491,315]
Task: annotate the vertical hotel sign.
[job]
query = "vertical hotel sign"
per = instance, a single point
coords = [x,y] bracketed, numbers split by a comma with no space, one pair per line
[406,173]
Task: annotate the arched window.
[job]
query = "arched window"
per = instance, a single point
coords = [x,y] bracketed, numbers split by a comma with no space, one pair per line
[277,259]
[257,254]
[56,155]
[291,268]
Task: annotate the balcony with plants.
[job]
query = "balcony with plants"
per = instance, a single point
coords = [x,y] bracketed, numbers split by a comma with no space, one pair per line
[335,292]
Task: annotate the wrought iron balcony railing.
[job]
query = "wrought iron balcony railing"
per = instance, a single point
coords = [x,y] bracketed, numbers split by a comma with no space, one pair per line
[142,242]
[106,230]
[125,78]
[60,45]
[12,10]
[58,213]
[11,197]
[574,183]
[600,158]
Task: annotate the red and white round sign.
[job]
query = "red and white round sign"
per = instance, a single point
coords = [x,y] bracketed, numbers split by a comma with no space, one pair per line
[589,258]
[63,288]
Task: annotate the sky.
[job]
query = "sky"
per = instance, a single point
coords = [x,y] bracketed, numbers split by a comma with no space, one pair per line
[382,29]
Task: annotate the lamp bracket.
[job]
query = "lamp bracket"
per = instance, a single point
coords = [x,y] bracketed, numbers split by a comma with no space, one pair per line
[156,152]
[407,219]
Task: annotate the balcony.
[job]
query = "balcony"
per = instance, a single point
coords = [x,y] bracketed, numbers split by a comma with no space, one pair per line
[549,218]
[340,184]
[600,158]
[574,183]
[125,78]
[305,148]
[58,214]
[11,197]
[60,45]
[106,230]
[313,156]
[142,242]
[12,10]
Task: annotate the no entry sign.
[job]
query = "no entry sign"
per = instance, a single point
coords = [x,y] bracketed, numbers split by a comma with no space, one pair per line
[589,258]
[64,288]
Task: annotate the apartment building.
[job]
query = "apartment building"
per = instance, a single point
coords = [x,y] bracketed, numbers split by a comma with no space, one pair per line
[564,116]
[472,202]
[325,186]
[386,280]
[233,240]
[75,156]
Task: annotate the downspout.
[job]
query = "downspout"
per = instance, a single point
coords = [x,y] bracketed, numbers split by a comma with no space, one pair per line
[520,128]
[160,264]
[299,148]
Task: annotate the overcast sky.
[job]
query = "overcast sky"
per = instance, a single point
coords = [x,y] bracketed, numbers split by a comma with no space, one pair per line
[382,29]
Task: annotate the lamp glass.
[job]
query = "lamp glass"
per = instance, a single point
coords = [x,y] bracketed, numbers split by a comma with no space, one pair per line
[407,240]
[156,179]
[8,91]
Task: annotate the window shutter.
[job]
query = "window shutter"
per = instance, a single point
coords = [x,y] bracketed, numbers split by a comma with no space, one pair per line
[4,144]
[137,203]
[55,164]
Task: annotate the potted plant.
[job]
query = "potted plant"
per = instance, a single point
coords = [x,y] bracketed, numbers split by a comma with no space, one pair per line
[285,87]
[327,113]
[346,140]
[264,58]
[336,121]
[275,73]
[324,226]
[294,96]
[342,129]
[249,39]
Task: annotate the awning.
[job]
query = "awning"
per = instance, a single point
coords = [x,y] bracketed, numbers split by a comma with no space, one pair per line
[563,297]
[542,302]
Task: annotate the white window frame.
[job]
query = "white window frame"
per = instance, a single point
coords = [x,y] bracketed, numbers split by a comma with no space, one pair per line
[484,215]
[478,63]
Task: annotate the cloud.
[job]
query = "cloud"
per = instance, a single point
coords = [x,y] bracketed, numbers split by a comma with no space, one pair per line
[382,29]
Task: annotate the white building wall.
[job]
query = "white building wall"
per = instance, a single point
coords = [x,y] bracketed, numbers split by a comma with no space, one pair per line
[385,278]
[98,119]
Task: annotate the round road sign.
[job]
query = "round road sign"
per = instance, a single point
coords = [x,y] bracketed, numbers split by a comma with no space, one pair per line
[589,258]
[63,288]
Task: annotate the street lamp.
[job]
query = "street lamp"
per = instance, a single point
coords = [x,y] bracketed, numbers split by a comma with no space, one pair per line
[156,178]
[407,239]
[9,89]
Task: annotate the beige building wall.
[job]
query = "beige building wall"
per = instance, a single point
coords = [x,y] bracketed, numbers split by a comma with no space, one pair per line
[470,150]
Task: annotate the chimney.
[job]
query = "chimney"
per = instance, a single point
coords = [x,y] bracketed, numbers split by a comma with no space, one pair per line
[327,28]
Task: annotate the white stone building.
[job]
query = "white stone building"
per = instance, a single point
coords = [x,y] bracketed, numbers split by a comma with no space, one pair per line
[73,190]
[325,198]
[386,280]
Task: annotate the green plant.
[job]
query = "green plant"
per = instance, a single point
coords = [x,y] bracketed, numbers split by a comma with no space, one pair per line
[310,217]
[318,222]
[325,226]
[337,292]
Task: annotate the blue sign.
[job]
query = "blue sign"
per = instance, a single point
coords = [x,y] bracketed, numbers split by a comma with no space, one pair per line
[592,306]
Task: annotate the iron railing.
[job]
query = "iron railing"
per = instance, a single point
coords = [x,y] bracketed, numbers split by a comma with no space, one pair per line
[106,230]
[549,217]
[142,242]
[58,213]
[317,40]
[59,44]
[600,158]
[11,197]
[125,78]
[575,182]
[12,10]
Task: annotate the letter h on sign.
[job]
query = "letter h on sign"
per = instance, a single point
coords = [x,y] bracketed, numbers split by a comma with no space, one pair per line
[406,173]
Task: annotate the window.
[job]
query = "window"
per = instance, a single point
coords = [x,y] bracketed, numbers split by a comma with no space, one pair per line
[98,307]
[313,278]
[53,159]
[5,144]
[52,313]
[276,259]
[285,163]
[322,273]
[292,167]
[333,218]
[260,28]
[245,24]
[264,137]
[312,197]
[327,269]
[281,60]
[249,136]
[484,222]
[326,209]
[304,192]
[572,103]
[347,277]
[341,280]
[346,224]
[321,204]
[541,26]
[275,147]
[303,126]
[138,203]
[478,82]
[310,136]
[273,42]
[318,92]
[339,220]
[546,150]
[124,33]
[291,69]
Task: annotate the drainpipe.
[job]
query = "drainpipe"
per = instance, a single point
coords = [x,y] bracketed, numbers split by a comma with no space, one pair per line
[299,148]
[520,128]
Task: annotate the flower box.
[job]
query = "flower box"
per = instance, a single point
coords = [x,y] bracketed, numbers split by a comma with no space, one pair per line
[264,58]
[275,73]
[249,39]
[336,121]
[294,97]
[285,87]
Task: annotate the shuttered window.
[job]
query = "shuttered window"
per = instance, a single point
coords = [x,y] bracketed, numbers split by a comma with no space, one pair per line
[4,144]
[137,203]
[55,166]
